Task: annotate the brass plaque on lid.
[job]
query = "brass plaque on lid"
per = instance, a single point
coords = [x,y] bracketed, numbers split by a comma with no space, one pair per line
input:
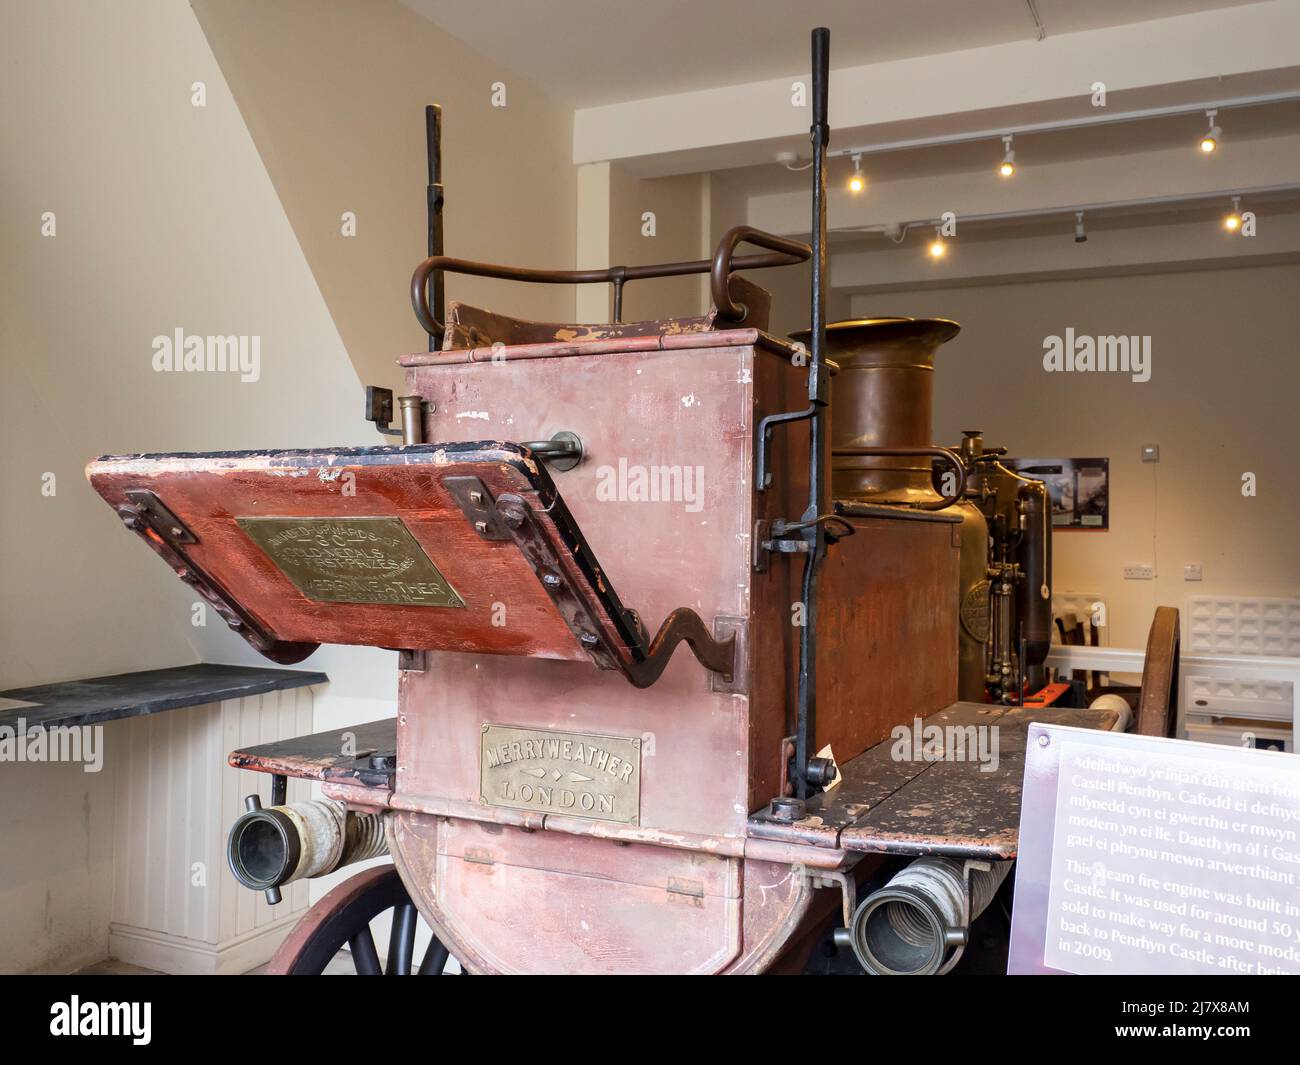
[352,560]
[580,774]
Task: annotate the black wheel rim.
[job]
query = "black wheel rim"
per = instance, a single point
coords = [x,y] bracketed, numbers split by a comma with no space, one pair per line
[349,926]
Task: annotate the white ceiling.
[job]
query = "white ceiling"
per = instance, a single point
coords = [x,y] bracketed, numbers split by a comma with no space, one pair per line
[592,52]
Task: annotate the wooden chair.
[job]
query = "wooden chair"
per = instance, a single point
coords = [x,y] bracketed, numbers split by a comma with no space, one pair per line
[1095,682]
[1072,636]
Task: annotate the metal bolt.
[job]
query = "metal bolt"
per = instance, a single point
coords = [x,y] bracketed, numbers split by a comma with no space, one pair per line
[481,527]
[589,639]
[820,771]
[1043,741]
[551,580]
[787,809]
[476,497]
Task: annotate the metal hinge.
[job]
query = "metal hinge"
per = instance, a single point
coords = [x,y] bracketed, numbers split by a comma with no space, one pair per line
[790,537]
[154,513]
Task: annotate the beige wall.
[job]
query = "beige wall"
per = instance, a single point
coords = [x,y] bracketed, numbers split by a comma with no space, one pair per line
[334,97]
[692,212]
[166,217]
[678,217]
[56,864]
[1220,402]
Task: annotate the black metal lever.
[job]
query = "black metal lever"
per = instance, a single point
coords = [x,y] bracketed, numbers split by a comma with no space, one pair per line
[561,452]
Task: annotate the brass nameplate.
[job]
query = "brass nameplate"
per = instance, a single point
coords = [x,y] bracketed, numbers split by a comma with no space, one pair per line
[352,560]
[575,773]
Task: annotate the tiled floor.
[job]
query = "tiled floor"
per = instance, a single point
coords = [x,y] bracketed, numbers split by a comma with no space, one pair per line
[340,965]
[113,967]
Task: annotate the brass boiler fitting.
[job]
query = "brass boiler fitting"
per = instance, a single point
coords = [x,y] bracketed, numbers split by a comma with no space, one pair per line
[1018,509]
[412,408]
[882,452]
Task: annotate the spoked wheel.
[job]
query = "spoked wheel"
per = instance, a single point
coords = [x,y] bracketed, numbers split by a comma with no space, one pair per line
[342,919]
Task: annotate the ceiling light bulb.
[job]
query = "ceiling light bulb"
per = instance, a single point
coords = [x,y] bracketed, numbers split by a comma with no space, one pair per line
[1008,164]
[1080,234]
[1211,139]
[938,247]
[858,181]
[1232,222]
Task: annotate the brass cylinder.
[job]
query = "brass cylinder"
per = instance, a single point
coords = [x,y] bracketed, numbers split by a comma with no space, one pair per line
[412,408]
[883,396]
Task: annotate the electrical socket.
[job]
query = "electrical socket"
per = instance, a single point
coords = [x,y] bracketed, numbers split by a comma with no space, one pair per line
[1139,571]
[1192,571]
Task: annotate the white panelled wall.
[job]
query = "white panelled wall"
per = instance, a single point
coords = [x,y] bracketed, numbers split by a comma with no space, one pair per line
[176,907]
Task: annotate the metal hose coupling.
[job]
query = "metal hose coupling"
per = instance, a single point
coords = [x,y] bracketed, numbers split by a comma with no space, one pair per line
[268,848]
[918,924]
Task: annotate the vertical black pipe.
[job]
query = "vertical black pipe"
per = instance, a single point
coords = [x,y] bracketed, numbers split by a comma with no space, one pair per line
[819,398]
[618,282]
[433,141]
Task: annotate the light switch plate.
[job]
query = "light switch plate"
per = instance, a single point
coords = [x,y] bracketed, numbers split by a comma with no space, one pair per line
[1192,571]
[1150,452]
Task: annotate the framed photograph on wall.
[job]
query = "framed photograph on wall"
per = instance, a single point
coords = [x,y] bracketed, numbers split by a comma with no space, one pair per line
[1080,489]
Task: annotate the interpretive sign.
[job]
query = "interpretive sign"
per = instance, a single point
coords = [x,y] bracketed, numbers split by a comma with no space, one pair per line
[1146,855]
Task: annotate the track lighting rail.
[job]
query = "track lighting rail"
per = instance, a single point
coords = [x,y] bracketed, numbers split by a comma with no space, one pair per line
[1104,118]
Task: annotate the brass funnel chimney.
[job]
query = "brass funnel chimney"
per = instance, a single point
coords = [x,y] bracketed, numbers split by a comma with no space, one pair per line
[882,452]
[883,398]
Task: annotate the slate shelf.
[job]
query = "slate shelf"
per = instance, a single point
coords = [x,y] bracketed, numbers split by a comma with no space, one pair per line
[320,756]
[151,691]
[951,809]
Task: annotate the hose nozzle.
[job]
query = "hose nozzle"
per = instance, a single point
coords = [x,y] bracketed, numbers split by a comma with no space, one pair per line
[918,923]
[268,848]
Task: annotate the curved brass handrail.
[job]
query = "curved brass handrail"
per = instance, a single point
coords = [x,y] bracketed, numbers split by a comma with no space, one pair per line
[782,252]
[790,252]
